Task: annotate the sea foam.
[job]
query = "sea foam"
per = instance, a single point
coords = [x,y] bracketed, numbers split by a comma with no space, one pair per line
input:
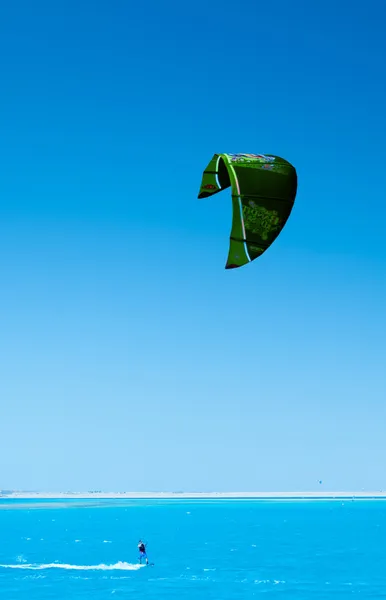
[119,566]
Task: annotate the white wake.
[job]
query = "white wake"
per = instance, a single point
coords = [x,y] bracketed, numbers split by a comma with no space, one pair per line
[119,566]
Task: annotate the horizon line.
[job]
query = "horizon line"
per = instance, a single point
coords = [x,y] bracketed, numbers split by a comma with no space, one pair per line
[31,494]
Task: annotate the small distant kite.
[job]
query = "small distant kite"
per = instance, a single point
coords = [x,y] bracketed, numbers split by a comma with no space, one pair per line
[263,193]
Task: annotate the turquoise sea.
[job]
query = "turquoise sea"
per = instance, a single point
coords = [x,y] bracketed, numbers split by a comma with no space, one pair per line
[78,550]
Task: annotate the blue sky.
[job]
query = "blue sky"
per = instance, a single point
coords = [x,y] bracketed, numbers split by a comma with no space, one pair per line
[129,358]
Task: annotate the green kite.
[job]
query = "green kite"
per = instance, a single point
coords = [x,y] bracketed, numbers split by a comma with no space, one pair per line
[263,194]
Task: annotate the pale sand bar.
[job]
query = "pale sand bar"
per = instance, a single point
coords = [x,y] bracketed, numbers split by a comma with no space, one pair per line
[191,495]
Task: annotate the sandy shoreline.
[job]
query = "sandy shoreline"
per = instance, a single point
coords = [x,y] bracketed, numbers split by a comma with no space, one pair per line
[187,495]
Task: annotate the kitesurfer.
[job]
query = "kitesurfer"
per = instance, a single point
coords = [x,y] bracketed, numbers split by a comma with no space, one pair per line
[142,552]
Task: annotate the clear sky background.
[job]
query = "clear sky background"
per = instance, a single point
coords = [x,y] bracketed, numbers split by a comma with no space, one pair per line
[129,358]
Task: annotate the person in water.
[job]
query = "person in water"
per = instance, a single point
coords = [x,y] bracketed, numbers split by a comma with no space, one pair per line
[142,552]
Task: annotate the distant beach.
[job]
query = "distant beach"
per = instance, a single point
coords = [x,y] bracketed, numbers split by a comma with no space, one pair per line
[190,495]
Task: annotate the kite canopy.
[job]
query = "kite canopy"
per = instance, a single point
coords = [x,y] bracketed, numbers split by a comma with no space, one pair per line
[263,194]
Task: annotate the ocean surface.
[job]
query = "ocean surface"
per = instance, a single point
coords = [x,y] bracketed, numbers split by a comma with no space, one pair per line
[220,549]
